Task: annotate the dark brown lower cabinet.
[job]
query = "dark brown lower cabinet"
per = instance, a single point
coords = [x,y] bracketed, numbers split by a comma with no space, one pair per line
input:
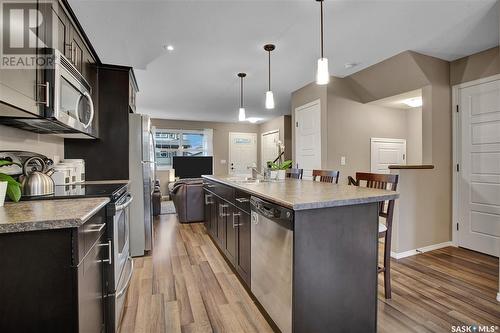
[229,227]
[52,280]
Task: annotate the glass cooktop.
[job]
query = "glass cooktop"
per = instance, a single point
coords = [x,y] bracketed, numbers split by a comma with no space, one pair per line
[113,191]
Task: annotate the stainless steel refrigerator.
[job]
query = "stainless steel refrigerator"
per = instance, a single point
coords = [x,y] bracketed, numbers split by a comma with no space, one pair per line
[142,172]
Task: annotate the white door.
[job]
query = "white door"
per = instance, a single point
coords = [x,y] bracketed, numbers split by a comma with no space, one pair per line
[270,150]
[385,152]
[479,172]
[308,137]
[242,153]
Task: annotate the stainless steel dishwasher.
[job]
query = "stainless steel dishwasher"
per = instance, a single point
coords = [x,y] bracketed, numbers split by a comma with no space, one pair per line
[271,259]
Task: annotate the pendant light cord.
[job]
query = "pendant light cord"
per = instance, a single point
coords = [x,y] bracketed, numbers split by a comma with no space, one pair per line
[321,9]
[241,93]
[269,70]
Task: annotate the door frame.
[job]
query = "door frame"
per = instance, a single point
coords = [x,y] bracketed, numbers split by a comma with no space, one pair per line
[295,144]
[229,148]
[262,141]
[456,151]
[387,140]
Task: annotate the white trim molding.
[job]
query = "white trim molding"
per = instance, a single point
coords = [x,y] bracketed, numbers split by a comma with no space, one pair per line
[498,296]
[400,255]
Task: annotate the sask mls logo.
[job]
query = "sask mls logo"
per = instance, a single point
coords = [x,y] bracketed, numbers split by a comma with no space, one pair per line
[26,28]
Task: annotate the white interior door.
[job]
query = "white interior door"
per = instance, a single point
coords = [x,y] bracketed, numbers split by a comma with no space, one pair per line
[385,152]
[242,153]
[269,151]
[479,173]
[308,137]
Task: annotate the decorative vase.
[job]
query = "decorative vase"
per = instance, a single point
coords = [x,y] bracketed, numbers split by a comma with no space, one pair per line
[273,174]
[3,192]
[281,175]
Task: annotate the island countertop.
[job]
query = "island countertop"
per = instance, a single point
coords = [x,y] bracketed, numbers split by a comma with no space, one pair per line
[48,214]
[306,194]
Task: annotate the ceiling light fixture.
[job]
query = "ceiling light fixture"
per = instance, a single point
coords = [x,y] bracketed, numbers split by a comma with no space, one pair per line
[169,47]
[253,120]
[241,111]
[269,93]
[322,74]
[413,102]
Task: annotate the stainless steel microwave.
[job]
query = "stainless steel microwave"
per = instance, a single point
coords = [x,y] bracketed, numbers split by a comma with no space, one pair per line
[65,105]
[70,101]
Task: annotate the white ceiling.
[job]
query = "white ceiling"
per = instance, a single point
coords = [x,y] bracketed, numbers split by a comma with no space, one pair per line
[214,40]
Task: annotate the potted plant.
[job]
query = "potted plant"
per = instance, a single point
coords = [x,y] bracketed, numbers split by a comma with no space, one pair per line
[279,169]
[8,185]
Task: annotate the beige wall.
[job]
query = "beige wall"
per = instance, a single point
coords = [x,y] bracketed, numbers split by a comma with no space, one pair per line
[351,124]
[220,136]
[414,136]
[476,66]
[15,139]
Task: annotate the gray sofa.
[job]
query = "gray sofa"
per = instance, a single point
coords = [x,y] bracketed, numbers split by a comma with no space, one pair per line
[188,198]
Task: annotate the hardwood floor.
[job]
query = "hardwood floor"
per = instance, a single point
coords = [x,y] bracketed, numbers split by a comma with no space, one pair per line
[186,286]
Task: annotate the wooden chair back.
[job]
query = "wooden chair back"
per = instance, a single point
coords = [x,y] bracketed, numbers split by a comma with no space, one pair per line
[326,176]
[294,173]
[379,181]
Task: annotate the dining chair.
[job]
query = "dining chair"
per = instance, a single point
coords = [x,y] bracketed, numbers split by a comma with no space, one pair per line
[326,176]
[294,173]
[386,211]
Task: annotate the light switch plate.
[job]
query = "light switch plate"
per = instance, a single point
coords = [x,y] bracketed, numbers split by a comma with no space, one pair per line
[342,160]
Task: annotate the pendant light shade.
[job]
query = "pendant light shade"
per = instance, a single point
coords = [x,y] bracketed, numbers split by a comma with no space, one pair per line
[322,73]
[241,112]
[269,100]
[269,92]
[242,115]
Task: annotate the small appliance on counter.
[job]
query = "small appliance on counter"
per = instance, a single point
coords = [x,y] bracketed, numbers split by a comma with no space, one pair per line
[35,182]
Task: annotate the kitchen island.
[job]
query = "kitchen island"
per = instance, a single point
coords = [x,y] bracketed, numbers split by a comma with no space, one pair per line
[315,268]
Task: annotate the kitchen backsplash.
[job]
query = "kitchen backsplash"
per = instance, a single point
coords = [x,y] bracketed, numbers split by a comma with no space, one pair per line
[16,139]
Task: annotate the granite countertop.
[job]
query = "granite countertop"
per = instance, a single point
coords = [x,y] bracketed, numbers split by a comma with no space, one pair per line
[48,214]
[306,194]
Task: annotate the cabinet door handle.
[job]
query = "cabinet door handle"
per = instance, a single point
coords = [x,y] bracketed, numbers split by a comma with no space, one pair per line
[110,252]
[47,93]
[236,225]
[242,200]
[207,199]
[211,186]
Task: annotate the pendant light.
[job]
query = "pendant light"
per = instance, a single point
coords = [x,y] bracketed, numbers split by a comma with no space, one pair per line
[322,74]
[269,93]
[241,113]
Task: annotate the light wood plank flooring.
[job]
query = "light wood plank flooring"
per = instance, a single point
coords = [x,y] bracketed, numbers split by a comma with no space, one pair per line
[186,286]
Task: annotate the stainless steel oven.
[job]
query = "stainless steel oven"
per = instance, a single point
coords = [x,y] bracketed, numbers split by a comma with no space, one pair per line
[68,95]
[119,277]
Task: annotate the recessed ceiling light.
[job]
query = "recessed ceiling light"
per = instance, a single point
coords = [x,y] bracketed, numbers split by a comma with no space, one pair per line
[413,102]
[169,47]
[351,65]
[253,120]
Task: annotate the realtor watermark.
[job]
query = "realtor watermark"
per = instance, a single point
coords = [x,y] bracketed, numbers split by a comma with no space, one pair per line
[26,33]
[474,329]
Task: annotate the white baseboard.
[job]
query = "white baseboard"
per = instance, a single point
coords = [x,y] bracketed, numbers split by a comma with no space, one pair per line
[399,255]
[498,296]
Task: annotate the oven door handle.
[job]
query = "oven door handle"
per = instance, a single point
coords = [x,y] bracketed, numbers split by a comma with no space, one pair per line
[126,203]
[129,278]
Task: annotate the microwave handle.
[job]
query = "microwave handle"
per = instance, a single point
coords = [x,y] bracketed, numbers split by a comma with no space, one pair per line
[47,93]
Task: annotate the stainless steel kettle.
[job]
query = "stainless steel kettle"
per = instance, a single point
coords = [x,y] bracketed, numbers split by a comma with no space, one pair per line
[35,182]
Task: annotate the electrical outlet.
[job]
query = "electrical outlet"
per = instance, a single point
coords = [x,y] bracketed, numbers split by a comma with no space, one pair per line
[342,160]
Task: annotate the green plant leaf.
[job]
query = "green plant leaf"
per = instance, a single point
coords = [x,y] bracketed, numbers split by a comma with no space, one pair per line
[13,187]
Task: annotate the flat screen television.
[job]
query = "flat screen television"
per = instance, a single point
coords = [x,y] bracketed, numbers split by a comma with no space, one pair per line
[192,166]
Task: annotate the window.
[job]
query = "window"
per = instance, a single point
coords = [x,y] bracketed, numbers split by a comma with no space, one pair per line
[172,142]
